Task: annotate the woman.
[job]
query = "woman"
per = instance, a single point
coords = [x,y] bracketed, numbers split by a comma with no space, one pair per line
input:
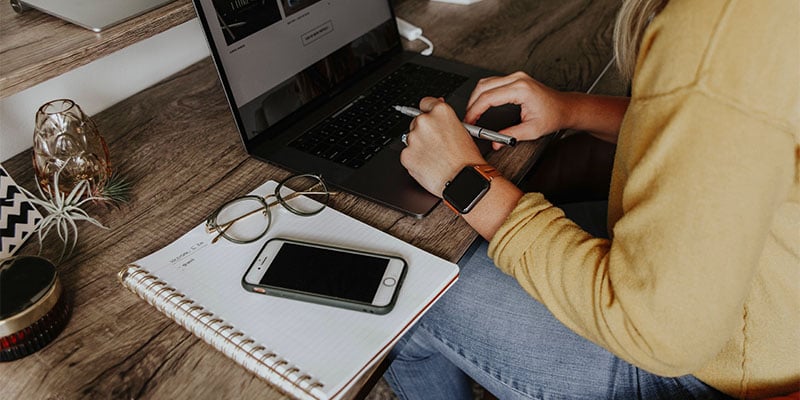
[695,293]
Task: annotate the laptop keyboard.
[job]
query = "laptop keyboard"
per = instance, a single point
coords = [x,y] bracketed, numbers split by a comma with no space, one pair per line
[355,134]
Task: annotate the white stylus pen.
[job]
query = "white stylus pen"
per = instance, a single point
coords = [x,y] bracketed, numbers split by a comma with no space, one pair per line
[474,131]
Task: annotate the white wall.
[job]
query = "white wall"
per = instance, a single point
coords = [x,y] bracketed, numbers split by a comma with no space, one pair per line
[102,83]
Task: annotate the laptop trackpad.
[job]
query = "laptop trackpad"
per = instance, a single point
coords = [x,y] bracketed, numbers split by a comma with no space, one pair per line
[390,182]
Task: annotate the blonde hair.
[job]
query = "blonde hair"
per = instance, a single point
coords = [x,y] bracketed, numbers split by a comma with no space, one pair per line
[633,18]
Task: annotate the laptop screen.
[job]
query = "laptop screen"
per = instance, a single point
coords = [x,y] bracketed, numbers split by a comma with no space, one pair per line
[281,57]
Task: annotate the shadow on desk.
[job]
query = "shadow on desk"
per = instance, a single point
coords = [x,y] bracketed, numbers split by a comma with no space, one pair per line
[576,167]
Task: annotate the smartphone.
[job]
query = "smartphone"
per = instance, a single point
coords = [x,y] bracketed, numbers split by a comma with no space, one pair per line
[328,275]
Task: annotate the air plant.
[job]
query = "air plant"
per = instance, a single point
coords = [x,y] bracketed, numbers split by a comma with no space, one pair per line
[117,189]
[62,211]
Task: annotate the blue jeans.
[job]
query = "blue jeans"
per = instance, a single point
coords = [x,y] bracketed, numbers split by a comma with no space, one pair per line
[488,329]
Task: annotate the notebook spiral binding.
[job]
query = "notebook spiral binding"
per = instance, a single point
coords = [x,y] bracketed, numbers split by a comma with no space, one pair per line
[215,331]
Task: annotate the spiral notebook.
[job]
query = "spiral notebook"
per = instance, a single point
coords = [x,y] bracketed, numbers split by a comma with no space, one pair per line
[306,350]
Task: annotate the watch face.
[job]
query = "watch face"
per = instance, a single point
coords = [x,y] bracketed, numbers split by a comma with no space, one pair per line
[465,190]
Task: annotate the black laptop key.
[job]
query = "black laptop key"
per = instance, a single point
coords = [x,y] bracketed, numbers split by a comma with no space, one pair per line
[355,134]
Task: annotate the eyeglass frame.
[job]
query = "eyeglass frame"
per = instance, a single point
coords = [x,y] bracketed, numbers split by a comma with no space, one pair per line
[212,226]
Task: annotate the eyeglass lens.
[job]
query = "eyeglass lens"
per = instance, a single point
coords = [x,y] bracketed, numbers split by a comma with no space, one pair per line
[310,194]
[246,229]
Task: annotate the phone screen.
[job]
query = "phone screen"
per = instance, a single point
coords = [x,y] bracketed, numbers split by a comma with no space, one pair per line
[327,272]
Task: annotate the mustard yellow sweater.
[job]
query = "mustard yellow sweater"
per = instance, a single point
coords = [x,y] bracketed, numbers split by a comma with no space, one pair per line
[702,274]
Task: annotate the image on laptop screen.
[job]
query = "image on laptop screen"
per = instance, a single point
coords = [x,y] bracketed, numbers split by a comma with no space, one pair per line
[280,56]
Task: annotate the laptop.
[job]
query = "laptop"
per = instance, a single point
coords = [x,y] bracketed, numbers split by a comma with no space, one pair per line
[311,84]
[96,15]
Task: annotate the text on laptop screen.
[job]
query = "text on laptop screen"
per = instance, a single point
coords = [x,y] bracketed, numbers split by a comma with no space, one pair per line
[281,55]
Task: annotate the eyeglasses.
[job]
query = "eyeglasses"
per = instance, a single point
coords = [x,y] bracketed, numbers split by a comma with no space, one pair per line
[247,218]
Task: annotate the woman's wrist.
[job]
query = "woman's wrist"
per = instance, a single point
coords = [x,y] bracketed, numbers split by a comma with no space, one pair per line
[572,110]
[493,209]
[600,115]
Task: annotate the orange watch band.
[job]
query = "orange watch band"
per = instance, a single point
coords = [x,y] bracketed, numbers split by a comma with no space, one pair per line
[487,171]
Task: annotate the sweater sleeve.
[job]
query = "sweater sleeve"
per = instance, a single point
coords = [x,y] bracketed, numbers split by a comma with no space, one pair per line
[707,153]
[665,294]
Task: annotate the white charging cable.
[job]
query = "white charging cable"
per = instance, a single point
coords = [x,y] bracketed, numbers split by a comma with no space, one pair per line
[412,32]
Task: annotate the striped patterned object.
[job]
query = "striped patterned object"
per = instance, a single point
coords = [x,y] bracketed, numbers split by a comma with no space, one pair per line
[18,218]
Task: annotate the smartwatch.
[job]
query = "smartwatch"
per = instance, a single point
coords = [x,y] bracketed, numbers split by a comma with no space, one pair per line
[468,187]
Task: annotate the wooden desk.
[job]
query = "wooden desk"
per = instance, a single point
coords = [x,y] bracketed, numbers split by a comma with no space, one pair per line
[178,144]
[35,46]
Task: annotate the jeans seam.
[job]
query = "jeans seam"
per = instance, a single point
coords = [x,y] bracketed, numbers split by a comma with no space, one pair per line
[397,388]
[445,342]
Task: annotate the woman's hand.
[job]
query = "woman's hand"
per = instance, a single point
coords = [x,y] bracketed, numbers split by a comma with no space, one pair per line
[543,109]
[438,146]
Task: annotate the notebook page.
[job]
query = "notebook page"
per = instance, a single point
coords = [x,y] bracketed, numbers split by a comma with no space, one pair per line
[331,344]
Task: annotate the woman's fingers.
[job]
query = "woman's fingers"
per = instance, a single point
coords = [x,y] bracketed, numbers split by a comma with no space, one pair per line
[494,82]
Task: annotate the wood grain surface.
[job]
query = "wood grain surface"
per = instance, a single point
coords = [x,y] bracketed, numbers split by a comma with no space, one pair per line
[35,46]
[178,145]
